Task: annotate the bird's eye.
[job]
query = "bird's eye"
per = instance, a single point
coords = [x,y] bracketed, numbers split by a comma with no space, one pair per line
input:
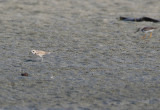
[33,51]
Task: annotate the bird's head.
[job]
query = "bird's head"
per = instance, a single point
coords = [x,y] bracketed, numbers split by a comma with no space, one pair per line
[33,51]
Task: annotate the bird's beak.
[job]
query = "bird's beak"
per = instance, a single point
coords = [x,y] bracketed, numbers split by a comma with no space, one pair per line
[137,30]
[30,53]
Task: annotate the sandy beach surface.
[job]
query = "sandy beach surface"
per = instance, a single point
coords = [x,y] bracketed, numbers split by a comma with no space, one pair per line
[97,62]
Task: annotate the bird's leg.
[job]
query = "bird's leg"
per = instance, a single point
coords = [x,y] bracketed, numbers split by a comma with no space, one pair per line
[41,59]
[144,36]
[150,35]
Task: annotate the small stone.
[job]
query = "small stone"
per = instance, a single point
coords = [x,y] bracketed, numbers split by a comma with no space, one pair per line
[24,74]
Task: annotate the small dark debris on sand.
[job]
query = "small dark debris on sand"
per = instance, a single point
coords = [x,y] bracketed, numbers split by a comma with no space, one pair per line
[24,74]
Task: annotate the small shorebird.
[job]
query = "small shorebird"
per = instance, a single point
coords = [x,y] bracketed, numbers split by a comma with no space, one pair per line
[40,53]
[146,30]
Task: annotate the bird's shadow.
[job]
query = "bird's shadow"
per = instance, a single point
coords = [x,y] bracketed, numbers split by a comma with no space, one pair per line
[30,60]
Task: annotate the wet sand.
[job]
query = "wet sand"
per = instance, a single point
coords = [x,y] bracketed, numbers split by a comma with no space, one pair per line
[97,62]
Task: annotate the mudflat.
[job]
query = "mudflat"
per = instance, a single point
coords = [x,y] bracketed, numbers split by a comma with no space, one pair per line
[96,63]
